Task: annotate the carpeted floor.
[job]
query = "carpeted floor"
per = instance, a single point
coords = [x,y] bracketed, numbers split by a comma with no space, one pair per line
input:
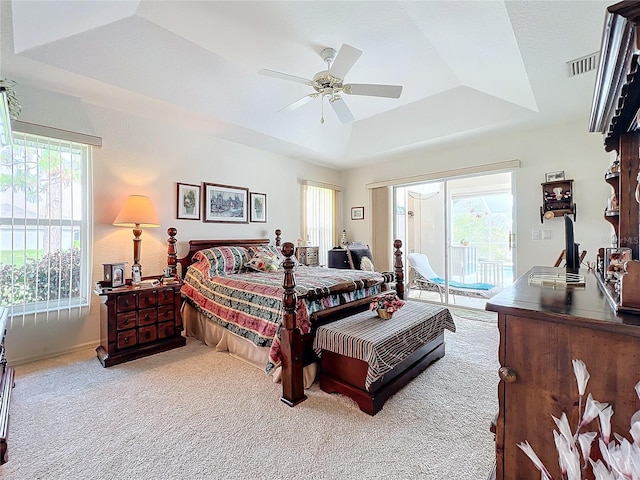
[194,413]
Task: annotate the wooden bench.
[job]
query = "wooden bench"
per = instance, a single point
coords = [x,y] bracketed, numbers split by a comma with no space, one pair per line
[369,359]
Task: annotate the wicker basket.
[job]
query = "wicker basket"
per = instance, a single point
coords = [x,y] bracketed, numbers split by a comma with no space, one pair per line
[384,314]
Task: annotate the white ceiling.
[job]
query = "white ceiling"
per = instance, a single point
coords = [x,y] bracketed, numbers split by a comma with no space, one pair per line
[466,66]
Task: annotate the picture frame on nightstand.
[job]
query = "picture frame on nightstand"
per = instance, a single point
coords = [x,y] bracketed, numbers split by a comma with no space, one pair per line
[113,274]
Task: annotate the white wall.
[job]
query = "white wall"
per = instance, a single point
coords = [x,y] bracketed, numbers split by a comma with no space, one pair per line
[148,156]
[569,147]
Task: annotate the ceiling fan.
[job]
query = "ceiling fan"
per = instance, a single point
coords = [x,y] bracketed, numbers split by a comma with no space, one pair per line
[328,83]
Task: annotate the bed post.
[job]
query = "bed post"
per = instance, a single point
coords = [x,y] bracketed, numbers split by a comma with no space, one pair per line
[172,256]
[291,344]
[398,268]
[278,232]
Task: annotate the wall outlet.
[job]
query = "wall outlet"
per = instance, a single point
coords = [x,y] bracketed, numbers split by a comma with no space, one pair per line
[535,234]
[546,234]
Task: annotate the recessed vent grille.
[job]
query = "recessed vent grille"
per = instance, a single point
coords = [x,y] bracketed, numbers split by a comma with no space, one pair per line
[582,65]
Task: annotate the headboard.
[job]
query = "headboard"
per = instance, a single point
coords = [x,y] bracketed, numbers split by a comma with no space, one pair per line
[196,245]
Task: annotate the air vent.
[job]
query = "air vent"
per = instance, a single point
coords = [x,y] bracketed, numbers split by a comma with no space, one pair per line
[582,65]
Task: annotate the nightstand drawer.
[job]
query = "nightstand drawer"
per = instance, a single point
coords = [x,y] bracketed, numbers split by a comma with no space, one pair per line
[126,339]
[166,330]
[126,302]
[148,316]
[126,320]
[165,313]
[166,296]
[147,299]
[147,334]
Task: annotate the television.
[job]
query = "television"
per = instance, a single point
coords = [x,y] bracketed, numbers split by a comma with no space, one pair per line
[571,248]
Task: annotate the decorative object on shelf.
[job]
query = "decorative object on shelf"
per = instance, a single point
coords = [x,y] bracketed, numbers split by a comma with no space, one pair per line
[113,274]
[637,192]
[225,203]
[557,198]
[615,166]
[137,212]
[357,213]
[258,202]
[616,456]
[188,201]
[386,305]
[343,239]
[554,176]
[614,261]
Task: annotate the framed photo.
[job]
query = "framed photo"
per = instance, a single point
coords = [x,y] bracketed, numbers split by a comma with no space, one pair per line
[258,202]
[357,213]
[188,201]
[225,203]
[113,274]
[554,176]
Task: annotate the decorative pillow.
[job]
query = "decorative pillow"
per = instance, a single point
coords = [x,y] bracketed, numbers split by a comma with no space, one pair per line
[223,260]
[268,249]
[356,257]
[263,262]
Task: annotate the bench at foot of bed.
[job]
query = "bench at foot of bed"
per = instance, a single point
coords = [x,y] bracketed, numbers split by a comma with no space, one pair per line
[369,359]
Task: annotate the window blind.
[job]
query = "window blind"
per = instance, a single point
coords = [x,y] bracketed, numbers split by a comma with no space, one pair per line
[319,218]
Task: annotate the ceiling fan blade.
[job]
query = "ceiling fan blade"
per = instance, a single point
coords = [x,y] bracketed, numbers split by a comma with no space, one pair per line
[345,59]
[300,102]
[285,76]
[341,109]
[389,91]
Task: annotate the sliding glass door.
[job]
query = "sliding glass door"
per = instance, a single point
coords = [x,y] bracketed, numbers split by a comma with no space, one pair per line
[457,237]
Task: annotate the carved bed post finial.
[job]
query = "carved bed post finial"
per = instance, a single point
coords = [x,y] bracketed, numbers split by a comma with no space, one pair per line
[398,268]
[278,232]
[291,345]
[171,251]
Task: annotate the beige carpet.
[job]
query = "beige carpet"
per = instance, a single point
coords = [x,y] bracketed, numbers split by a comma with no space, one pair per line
[193,413]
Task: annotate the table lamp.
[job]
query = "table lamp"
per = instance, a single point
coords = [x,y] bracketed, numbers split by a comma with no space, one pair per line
[137,212]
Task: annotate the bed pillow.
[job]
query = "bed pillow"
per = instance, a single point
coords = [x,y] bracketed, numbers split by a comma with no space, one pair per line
[360,258]
[263,262]
[223,260]
[268,249]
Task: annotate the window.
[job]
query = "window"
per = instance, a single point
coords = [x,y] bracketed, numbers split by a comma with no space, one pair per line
[45,207]
[320,206]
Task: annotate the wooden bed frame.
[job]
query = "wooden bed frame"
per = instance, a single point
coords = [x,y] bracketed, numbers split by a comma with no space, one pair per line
[295,347]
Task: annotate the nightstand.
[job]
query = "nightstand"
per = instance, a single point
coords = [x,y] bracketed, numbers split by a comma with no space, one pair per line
[136,321]
[308,256]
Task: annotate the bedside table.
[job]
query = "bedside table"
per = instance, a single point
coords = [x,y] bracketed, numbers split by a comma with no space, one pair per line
[136,321]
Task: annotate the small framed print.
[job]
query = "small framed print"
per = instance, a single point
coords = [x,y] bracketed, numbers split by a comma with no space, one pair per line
[188,201]
[258,202]
[225,204]
[113,274]
[554,176]
[357,213]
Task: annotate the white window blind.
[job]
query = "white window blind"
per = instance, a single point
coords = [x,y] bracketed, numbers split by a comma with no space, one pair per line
[45,225]
[320,206]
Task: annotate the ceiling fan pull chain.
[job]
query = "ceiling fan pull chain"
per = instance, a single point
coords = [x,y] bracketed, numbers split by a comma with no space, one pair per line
[322,109]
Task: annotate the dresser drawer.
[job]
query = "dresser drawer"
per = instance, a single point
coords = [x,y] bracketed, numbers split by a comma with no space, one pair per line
[126,339]
[147,334]
[148,316]
[147,299]
[165,313]
[166,330]
[127,302]
[166,296]
[126,320]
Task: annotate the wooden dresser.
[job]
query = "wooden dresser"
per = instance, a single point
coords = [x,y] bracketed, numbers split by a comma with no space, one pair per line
[541,330]
[136,321]
[6,384]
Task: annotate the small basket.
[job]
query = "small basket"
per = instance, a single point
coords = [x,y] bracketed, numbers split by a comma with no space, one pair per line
[384,314]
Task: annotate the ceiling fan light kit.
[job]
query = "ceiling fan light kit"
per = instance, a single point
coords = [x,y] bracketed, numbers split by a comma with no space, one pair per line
[329,83]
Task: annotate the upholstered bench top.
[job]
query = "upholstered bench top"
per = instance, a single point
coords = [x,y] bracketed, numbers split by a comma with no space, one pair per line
[383,344]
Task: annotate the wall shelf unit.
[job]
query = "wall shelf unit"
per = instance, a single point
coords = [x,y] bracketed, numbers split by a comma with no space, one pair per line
[557,199]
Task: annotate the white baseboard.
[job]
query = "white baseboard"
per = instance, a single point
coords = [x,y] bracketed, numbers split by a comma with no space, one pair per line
[74,349]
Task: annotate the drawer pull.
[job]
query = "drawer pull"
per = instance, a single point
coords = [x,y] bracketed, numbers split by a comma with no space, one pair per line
[125,340]
[126,322]
[147,334]
[126,302]
[508,375]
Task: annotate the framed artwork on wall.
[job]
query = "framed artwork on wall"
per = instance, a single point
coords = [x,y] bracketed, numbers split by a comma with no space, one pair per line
[554,176]
[258,202]
[357,213]
[225,203]
[188,201]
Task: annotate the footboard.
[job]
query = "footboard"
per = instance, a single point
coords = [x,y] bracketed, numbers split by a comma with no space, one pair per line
[294,345]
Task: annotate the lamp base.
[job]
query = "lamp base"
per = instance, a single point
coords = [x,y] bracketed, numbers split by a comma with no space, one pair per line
[136,273]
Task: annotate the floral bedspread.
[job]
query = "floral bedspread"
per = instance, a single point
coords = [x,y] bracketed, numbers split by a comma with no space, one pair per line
[250,304]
